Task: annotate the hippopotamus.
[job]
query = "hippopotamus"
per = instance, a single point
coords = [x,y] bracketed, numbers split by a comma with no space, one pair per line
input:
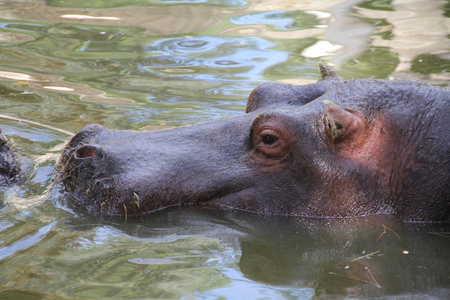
[335,148]
[9,164]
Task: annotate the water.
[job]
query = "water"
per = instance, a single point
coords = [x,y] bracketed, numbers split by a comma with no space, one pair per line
[149,65]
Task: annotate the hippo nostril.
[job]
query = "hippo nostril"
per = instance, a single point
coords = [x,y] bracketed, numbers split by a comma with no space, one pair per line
[86,152]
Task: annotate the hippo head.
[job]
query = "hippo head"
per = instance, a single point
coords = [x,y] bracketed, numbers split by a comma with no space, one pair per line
[328,149]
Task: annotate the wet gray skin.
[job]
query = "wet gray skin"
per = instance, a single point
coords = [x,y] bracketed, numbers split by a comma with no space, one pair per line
[333,149]
[9,165]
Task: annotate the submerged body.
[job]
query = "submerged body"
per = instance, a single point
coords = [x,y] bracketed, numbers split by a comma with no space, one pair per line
[333,149]
[9,165]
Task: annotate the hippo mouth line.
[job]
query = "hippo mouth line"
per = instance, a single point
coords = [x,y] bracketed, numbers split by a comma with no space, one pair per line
[102,197]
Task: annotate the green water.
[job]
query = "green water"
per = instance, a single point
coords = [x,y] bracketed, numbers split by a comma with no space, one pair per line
[148,65]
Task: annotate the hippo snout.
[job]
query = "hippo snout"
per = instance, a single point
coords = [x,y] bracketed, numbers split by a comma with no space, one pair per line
[86,169]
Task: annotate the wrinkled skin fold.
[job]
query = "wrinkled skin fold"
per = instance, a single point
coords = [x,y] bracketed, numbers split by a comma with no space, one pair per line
[333,149]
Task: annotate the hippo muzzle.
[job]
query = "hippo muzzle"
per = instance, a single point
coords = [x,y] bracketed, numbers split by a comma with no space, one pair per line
[132,173]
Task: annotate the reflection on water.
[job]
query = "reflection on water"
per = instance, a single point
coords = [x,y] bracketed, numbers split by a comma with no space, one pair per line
[417,27]
[234,58]
[142,65]
[279,20]
[172,255]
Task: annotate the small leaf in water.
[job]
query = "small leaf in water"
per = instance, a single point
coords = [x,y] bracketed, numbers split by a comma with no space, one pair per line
[21,83]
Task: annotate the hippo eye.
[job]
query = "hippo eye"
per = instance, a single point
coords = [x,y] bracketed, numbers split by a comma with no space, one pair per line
[272,141]
[269,139]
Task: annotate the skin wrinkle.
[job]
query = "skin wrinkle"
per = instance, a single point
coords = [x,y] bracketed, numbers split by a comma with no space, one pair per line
[403,178]
[340,196]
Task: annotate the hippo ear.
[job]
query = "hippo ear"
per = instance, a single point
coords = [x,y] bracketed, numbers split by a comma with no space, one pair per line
[326,71]
[343,124]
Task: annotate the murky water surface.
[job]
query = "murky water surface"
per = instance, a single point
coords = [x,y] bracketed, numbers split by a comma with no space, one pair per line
[155,64]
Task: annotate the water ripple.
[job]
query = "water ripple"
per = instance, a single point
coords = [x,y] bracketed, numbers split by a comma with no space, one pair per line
[27,242]
[186,45]
[244,57]
[280,20]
